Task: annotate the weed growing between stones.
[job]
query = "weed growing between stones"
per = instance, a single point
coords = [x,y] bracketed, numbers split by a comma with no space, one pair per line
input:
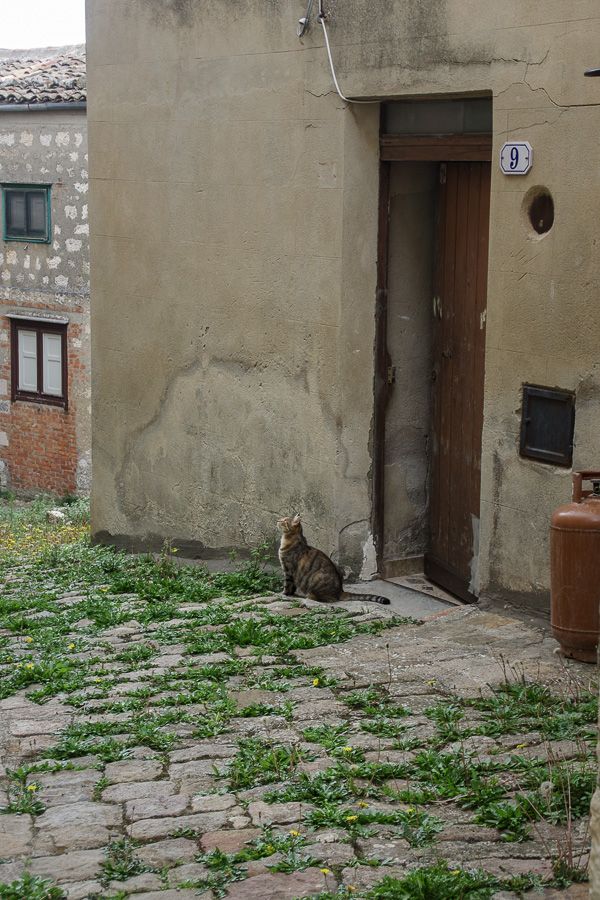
[437,882]
[375,702]
[383,727]
[280,852]
[521,707]
[259,762]
[563,798]
[324,789]
[415,826]
[333,738]
[32,888]
[561,791]
[23,795]
[121,862]
[223,872]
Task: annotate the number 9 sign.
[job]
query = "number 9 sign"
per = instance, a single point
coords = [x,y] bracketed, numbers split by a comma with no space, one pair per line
[516,157]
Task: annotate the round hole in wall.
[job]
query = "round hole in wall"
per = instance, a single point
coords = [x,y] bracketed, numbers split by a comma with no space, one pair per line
[538,206]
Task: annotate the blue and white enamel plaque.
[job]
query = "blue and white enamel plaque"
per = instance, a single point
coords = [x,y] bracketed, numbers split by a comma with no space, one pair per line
[516,157]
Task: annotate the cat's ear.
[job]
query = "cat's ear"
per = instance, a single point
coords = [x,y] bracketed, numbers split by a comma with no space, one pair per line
[296,520]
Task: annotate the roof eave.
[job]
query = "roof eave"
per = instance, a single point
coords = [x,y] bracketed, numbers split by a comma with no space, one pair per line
[75,105]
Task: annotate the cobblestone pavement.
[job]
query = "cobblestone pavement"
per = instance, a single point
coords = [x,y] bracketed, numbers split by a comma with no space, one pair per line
[259,748]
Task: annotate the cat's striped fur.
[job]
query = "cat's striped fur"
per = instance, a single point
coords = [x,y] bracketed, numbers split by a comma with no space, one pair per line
[310,571]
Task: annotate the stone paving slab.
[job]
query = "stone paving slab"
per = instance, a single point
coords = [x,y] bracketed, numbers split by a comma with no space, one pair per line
[282,887]
[403,600]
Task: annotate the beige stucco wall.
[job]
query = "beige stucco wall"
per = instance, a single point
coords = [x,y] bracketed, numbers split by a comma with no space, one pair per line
[234,228]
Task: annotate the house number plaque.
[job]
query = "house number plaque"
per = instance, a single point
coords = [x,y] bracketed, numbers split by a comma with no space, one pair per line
[516,157]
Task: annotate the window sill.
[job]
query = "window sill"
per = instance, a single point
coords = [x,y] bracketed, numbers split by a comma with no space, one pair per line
[27,240]
[43,399]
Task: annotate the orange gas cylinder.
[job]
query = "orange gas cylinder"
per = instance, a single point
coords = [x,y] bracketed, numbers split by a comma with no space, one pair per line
[575,570]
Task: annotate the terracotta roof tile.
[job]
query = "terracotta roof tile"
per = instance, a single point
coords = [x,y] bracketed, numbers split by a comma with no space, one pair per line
[54,75]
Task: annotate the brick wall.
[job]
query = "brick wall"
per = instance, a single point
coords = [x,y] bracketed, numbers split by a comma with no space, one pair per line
[38,442]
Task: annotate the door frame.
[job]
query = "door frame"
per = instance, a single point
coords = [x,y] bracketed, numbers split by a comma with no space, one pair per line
[402,148]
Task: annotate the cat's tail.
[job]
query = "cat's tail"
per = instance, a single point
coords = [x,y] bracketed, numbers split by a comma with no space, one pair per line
[369,598]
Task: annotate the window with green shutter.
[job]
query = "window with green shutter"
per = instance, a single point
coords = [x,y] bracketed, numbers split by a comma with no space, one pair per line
[26,212]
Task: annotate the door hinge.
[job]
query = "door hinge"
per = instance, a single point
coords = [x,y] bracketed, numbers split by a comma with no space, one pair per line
[391,374]
[442,173]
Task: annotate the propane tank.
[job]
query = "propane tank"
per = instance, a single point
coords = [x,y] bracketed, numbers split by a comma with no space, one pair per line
[575,570]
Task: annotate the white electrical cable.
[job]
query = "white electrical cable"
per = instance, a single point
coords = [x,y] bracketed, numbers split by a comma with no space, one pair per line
[321,18]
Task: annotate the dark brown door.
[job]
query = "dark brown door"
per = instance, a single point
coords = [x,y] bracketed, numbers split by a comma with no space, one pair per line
[459,312]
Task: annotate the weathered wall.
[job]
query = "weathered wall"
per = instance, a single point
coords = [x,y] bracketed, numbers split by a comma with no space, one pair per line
[234,251]
[45,447]
[413,189]
[225,299]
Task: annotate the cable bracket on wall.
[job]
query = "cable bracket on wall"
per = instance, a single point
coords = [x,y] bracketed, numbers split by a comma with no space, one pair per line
[304,22]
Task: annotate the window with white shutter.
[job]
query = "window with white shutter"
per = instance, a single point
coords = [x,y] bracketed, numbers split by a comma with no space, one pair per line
[39,361]
[52,364]
[28,361]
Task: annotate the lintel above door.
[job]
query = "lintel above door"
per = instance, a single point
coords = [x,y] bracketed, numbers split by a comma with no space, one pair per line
[438,147]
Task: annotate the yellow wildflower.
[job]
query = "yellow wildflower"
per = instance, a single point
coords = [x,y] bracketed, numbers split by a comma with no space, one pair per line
[362,804]
[347,750]
[316,682]
[295,833]
[351,818]
[32,787]
[432,681]
[520,746]
[326,871]
[97,680]
[29,665]
[455,872]
[270,848]
[410,809]
[71,646]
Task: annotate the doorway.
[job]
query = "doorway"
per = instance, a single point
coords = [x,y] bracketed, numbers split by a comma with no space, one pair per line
[431,356]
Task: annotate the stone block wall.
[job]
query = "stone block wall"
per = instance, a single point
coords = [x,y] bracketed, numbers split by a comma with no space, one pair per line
[42,447]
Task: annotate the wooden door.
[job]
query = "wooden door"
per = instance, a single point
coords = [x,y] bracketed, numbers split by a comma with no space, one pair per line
[459,312]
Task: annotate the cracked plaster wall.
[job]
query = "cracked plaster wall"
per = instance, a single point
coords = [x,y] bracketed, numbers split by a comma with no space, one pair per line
[48,148]
[234,238]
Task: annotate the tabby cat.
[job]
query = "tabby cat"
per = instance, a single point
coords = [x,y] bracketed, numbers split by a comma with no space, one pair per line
[310,571]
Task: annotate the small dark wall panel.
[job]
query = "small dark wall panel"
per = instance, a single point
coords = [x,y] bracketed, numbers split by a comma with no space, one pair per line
[547,425]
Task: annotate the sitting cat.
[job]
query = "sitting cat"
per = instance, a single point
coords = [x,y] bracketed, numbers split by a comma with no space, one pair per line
[309,570]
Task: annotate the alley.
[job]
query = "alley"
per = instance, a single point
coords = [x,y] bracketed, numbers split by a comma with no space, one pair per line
[169,733]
